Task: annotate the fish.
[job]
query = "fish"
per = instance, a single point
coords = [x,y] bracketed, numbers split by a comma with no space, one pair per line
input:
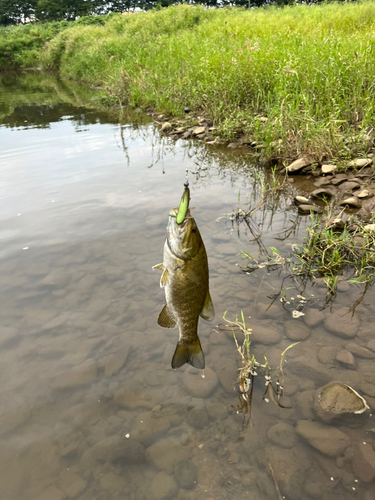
[185,278]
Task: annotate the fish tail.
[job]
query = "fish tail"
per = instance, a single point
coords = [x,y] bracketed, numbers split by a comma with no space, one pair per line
[188,352]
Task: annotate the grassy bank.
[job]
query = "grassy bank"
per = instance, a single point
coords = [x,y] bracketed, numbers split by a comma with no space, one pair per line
[302,74]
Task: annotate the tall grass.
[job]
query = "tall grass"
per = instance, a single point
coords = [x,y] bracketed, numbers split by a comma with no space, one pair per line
[308,69]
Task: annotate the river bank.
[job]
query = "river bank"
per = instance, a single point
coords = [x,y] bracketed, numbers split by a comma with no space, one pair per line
[291,81]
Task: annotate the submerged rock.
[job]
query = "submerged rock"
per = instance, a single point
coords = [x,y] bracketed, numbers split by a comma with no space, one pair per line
[346,358]
[343,323]
[295,330]
[364,462]
[197,417]
[163,486]
[326,439]
[164,454]
[185,474]
[283,435]
[196,385]
[226,369]
[336,399]
[289,467]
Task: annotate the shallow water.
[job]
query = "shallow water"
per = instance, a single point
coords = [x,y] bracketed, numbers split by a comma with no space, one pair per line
[90,408]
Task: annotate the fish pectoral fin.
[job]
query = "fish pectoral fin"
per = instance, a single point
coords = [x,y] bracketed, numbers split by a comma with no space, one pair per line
[189,273]
[158,266]
[164,277]
[208,311]
[166,318]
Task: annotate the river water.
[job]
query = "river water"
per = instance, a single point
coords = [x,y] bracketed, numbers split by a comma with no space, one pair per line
[89,405]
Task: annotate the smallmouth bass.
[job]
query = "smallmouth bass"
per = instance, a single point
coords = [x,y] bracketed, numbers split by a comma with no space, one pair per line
[185,279]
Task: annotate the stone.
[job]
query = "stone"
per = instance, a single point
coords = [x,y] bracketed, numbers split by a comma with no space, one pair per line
[363,194]
[148,427]
[322,181]
[51,493]
[111,481]
[197,386]
[115,449]
[115,362]
[164,454]
[313,317]
[233,145]
[305,402]
[166,126]
[371,344]
[265,335]
[296,330]
[320,194]
[57,322]
[301,200]
[352,201]
[311,369]
[327,354]
[343,323]
[163,486]
[308,209]
[368,389]
[360,163]
[71,484]
[369,227]
[324,438]
[197,417]
[297,165]
[199,130]
[226,370]
[84,374]
[335,400]
[7,335]
[132,398]
[283,435]
[364,462]
[289,467]
[226,249]
[328,169]
[359,351]
[349,186]
[185,474]
[55,280]
[346,358]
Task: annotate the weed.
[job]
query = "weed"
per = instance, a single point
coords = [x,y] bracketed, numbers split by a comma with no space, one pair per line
[328,253]
[250,368]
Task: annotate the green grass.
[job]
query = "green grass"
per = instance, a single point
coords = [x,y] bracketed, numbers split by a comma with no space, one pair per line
[329,254]
[308,70]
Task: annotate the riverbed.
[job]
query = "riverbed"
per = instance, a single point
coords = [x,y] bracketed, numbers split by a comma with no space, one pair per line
[90,407]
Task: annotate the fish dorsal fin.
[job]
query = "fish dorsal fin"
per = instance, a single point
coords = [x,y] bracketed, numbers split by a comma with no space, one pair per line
[164,277]
[166,319]
[208,311]
[158,266]
[189,273]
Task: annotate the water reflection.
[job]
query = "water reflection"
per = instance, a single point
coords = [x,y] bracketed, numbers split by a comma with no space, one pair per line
[90,407]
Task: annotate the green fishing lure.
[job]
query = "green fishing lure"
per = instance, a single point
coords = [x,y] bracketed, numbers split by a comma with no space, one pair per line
[184,206]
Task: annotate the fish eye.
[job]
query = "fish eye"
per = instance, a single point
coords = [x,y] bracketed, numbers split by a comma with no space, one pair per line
[194,230]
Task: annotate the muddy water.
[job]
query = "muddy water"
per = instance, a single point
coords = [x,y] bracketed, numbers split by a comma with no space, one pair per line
[90,408]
